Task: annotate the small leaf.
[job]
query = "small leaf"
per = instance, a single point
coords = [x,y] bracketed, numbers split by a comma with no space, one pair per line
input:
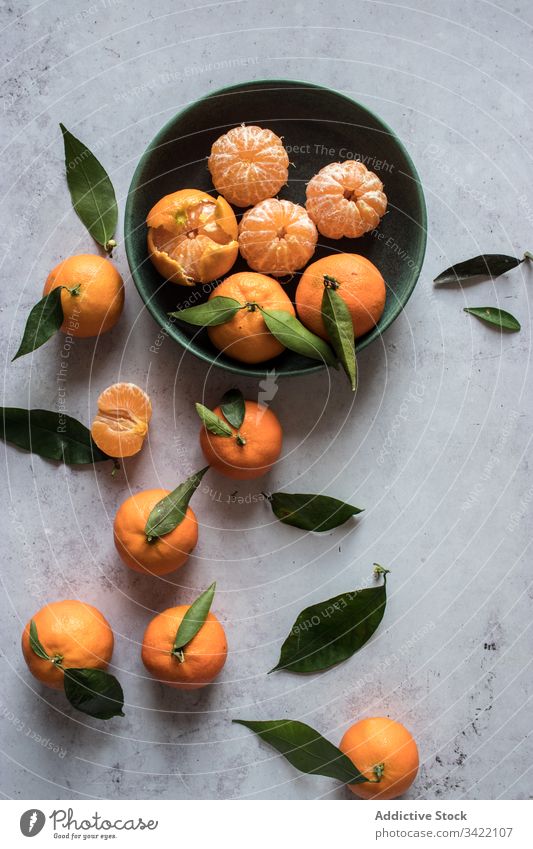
[499,318]
[339,325]
[94,692]
[306,749]
[212,422]
[36,644]
[233,407]
[49,434]
[45,319]
[170,511]
[311,512]
[292,333]
[484,265]
[216,311]
[331,631]
[91,190]
[194,619]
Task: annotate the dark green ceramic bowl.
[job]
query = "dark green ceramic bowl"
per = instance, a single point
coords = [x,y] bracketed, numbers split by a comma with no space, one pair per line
[318,126]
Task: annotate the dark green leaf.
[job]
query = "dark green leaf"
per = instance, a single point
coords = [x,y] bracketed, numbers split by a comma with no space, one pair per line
[45,319]
[36,644]
[170,511]
[292,333]
[306,749]
[233,407]
[339,325]
[332,631]
[55,436]
[194,619]
[91,190]
[94,692]
[485,265]
[499,318]
[311,512]
[212,422]
[216,311]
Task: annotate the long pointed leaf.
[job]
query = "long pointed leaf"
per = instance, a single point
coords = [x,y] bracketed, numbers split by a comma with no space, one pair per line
[170,511]
[194,619]
[45,319]
[499,318]
[311,512]
[292,333]
[339,325]
[49,434]
[91,190]
[484,265]
[218,310]
[306,749]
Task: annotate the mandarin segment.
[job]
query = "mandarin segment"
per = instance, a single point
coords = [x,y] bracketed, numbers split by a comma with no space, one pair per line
[121,423]
[254,453]
[72,631]
[248,164]
[277,237]
[162,555]
[358,282]
[381,747]
[345,199]
[93,295]
[192,238]
[203,657]
[246,337]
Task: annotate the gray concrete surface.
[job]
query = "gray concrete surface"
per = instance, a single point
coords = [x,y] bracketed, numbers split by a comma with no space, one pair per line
[434,446]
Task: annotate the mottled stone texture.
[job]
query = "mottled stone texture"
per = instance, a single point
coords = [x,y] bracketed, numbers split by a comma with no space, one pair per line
[434,445]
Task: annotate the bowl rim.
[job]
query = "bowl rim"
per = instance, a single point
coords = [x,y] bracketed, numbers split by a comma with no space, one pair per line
[171,330]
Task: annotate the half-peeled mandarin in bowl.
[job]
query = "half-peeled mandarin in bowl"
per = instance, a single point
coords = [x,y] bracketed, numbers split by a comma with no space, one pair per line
[246,337]
[192,238]
[121,423]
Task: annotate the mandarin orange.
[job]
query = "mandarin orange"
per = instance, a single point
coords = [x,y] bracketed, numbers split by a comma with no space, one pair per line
[277,237]
[245,337]
[71,632]
[345,199]
[248,164]
[92,297]
[121,423]
[386,753]
[358,282]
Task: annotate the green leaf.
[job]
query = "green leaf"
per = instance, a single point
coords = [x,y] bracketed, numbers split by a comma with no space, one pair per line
[91,190]
[216,311]
[311,512]
[484,265]
[499,318]
[170,511]
[212,422]
[45,319]
[94,692]
[292,333]
[193,619]
[331,631]
[233,407]
[49,434]
[339,325]
[306,749]
[36,644]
